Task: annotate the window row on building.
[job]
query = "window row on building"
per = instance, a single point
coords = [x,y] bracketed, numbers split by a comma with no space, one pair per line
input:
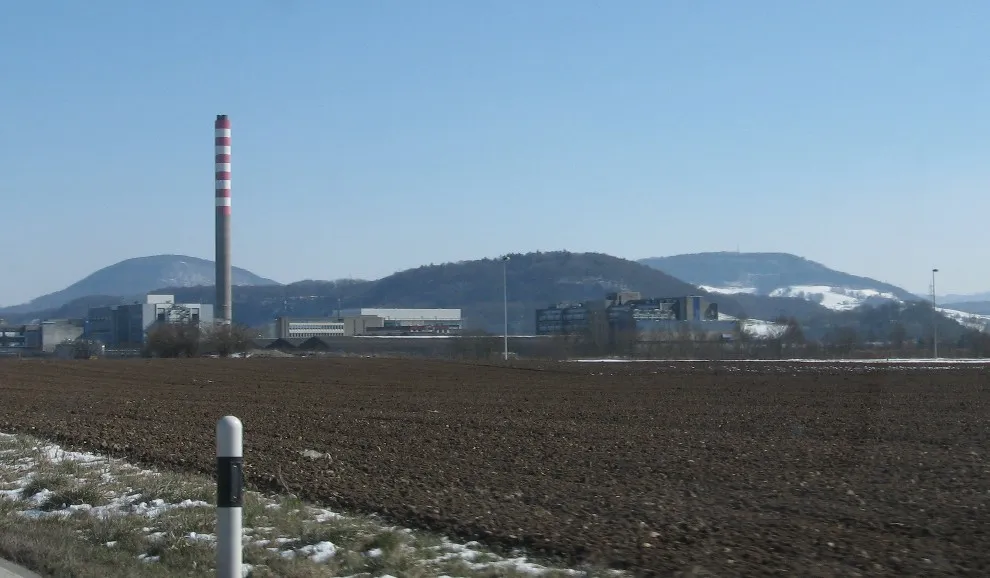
[623,312]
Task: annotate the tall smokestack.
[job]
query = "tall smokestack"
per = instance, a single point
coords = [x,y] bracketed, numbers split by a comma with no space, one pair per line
[222,149]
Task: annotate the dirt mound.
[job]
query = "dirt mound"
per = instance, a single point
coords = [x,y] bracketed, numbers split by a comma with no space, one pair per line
[746,469]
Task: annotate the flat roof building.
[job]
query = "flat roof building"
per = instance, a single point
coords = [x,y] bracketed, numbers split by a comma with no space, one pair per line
[370,321]
[306,327]
[411,320]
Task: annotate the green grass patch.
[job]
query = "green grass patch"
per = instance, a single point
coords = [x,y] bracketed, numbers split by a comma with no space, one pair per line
[41,481]
[75,495]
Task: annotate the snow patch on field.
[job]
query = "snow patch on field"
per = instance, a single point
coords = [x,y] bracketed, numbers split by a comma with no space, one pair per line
[27,464]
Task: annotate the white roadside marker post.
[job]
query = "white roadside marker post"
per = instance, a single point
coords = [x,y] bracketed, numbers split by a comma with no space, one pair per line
[230,496]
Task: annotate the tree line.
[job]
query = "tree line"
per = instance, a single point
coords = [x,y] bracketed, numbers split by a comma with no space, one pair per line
[194,340]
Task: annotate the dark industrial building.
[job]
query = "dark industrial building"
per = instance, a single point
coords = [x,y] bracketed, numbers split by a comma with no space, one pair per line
[126,326]
[629,311]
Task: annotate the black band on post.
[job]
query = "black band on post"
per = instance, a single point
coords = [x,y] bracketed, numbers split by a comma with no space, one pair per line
[230,482]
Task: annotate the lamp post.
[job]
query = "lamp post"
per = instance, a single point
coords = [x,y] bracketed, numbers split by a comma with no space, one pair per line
[934,319]
[505,307]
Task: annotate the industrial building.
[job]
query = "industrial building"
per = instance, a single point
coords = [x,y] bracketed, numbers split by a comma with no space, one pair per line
[629,311]
[303,328]
[126,326]
[41,337]
[371,321]
[410,321]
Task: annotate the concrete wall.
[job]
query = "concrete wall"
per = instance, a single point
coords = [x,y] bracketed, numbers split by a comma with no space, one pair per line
[361,324]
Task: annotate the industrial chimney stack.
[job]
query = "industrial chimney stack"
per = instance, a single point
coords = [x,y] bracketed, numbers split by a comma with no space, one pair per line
[222,150]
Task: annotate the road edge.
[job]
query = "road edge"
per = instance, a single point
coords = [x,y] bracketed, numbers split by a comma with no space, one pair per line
[11,570]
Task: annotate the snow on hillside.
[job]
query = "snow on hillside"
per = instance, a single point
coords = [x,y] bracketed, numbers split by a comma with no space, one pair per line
[734,290]
[970,320]
[834,298]
[757,328]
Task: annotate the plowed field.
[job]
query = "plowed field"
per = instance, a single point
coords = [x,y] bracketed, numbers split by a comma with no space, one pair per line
[745,469]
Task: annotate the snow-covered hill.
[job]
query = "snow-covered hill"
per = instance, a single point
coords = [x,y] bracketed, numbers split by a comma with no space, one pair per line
[778,275]
[834,298]
[971,320]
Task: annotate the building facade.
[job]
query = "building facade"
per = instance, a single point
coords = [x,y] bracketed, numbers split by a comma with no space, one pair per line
[303,328]
[126,326]
[41,337]
[370,321]
[627,311]
[410,321]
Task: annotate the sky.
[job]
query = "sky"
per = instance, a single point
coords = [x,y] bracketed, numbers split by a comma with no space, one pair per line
[374,136]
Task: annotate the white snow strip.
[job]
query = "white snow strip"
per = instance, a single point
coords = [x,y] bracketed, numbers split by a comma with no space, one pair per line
[732,290]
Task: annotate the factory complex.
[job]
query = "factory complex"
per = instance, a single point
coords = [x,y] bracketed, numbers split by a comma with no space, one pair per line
[125,327]
[629,313]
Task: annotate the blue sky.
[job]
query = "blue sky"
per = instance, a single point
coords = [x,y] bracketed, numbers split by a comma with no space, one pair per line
[374,136]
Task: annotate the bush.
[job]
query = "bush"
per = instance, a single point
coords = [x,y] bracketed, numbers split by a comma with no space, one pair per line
[172,340]
[225,340]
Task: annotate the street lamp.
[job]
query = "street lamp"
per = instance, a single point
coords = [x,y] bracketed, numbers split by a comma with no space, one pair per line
[505,307]
[934,319]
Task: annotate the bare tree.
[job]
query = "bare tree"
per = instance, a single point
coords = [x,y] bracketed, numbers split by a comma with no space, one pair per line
[172,340]
[227,339]
[898,333]
[842,340]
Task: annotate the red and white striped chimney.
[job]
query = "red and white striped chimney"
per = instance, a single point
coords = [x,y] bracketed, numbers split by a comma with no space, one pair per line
[221,130]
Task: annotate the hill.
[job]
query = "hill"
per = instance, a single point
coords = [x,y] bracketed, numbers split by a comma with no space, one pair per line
[975,307]
[534,280]
[779,275]
[881,322]
[953,299]
[137,276]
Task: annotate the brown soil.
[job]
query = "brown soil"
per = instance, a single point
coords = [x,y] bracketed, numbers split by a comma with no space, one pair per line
[662,468]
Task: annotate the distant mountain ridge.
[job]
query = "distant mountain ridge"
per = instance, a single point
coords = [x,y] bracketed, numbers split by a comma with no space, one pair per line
[953,298]
[779,275]
[138,276]
[535,280]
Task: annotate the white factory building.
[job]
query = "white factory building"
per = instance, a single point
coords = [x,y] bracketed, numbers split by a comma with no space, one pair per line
[371,321]
[410,318]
